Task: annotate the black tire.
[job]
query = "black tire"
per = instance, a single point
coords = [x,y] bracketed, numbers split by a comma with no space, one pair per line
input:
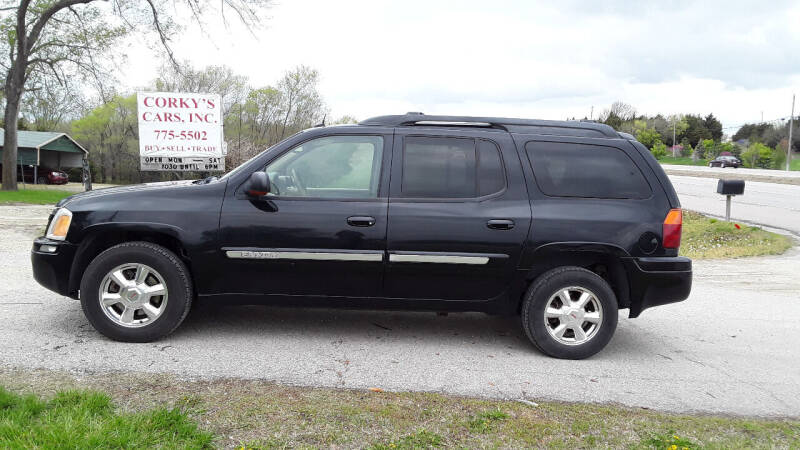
[539,294]
[169,266]
[41,180]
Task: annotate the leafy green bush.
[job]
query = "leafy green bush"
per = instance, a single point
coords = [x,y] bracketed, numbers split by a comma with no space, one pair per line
[778,157]
[647,136]
[659,150]
[760,156]
[707,149]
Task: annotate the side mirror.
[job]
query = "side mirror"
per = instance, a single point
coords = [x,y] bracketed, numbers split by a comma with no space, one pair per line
[258,185]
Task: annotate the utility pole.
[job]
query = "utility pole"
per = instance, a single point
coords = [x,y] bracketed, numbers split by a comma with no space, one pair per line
[789,147]
[673,136]
[591,113]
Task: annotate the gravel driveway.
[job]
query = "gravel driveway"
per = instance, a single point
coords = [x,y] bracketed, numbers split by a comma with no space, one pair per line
[731,348]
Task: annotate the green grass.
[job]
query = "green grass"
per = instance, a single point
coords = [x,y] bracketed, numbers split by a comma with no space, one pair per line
[687,161]
[683,161]
[707,238]
[85,419]
[256,414]
[33,196]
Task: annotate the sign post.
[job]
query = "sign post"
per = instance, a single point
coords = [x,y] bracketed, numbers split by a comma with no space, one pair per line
[180,132]
[729,188]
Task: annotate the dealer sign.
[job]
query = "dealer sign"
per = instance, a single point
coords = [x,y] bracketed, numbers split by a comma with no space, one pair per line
[180,131]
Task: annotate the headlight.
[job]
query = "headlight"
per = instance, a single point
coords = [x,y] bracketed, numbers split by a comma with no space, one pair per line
[59,225]
[55,174]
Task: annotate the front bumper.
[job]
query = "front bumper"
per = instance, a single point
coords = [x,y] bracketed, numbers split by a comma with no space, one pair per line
[51,269]
[657,281]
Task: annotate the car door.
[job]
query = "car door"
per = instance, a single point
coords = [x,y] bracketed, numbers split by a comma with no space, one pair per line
[458,214]
[321,230]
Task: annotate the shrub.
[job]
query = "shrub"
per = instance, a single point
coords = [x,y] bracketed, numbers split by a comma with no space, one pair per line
[758,155]
[659,150]
[707,149]
[778,157]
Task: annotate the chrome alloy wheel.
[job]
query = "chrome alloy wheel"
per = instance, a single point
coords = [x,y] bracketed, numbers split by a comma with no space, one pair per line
[133,295]
[573,315]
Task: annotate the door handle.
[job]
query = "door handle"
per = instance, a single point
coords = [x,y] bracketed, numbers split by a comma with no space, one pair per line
[361,221]
[500,224]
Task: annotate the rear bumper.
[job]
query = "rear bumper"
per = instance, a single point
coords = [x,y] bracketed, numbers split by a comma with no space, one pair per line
[658,281]
[51,269]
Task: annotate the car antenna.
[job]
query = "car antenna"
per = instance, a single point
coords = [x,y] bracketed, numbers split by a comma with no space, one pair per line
[323,122]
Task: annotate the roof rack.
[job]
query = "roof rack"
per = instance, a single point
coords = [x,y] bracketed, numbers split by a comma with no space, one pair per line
[549,127]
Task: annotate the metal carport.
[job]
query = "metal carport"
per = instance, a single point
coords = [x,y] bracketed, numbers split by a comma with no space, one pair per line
[47,148]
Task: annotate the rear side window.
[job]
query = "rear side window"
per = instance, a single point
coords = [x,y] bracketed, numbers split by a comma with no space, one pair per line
[444,167]
[491,177]
[582,170]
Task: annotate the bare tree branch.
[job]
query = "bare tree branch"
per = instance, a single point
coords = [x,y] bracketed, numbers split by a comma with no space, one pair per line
[45,17]
[161,35]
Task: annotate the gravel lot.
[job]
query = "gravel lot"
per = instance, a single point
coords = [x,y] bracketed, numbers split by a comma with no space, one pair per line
[731,348]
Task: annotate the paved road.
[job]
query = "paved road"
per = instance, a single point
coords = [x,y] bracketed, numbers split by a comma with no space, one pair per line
[775,205]
[762,175]
[731,348]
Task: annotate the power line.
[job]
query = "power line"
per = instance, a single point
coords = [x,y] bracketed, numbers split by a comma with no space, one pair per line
[765,122]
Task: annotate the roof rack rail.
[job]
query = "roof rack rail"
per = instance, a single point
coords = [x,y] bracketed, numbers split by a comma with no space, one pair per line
[550,127]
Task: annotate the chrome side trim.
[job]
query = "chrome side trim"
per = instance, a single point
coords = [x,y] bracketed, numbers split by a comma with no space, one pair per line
[438,259]
[304,255]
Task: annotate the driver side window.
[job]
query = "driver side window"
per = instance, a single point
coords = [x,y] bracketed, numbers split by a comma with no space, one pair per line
[329,167]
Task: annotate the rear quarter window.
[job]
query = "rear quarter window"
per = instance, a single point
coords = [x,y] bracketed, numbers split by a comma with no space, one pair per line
[585,170]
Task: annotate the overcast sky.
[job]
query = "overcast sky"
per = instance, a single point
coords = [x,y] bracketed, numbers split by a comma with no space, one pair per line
[521,59]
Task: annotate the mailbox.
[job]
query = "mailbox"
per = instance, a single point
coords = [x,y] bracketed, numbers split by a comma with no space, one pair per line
[730,187]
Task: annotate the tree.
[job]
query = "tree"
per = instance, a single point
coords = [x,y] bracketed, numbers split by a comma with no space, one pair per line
[51,105]
[271,113]
[709,148]
[111,130]
[696,130]
[647,136]
[757,155]
[617,114]
[347,120]
[63,39]
[751,131]
[713,126]
[212,79]
[769,134]
[301,105]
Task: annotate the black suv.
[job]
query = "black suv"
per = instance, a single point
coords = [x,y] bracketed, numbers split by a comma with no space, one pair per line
[562,223]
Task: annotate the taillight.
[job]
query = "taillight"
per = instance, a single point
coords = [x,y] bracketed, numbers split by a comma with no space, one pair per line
[672,229]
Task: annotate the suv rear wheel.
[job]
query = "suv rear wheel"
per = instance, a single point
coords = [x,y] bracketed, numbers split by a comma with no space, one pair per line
[136,292]
[570,312]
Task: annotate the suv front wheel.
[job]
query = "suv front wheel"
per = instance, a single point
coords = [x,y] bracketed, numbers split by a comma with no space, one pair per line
[570,312]
[136,292]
